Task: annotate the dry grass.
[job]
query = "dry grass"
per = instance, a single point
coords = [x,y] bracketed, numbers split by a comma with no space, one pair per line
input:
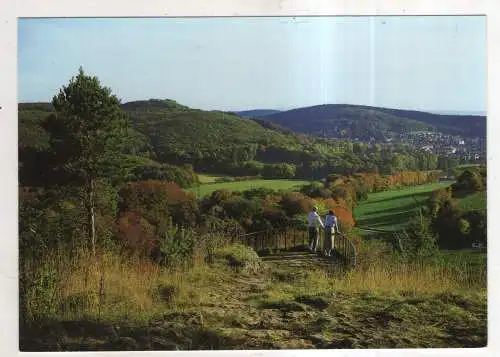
[106,287]
[112,287]
[418,278]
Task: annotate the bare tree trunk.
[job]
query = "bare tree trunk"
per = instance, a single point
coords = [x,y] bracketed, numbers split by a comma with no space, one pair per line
[91,212]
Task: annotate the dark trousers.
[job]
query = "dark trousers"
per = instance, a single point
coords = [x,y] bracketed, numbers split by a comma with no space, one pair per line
[313,238]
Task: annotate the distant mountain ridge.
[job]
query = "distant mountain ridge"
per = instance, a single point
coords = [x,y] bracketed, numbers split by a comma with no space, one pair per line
[256,113]
[365,122]
[459,112]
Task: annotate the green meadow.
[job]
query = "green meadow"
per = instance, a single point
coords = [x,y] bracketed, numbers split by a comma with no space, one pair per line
[391,210]
[208,188]
[473,202]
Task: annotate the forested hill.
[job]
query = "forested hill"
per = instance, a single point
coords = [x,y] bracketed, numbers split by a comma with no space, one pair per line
[170,127]
[356,121]
[256,113]
[179,133]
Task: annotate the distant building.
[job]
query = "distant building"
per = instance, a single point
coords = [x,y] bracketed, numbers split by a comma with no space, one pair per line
[451,150]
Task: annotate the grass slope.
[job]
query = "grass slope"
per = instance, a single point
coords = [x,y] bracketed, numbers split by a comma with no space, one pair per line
[204,178]
[391,210]
[207,189]
[474,202]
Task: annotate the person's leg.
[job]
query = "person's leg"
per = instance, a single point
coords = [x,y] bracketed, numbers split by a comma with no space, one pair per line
[311,237]
[325,242]
[315,239]
[328,241]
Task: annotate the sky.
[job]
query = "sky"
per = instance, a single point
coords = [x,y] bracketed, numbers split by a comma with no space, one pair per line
[432,63]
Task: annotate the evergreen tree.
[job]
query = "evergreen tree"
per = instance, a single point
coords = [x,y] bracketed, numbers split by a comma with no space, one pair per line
[89,131]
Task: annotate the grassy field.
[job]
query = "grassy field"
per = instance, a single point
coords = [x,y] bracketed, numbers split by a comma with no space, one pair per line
[391,210]
[476,201]
[204,179]
[207,189]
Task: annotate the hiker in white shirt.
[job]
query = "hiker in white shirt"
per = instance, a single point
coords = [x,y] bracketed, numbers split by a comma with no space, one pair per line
[331,227]
[314,222]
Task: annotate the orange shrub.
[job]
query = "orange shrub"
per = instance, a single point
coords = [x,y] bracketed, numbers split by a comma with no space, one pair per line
[271,201]
[296,203]
[176,194]
[136,233]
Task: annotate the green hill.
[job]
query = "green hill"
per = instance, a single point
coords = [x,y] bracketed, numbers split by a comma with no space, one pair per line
[364,122]
[179,133]
[31,134]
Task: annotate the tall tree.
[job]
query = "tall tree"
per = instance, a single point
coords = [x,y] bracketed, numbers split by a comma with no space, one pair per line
[89,130]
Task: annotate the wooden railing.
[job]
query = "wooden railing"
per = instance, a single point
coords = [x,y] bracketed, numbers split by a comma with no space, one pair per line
[273,240]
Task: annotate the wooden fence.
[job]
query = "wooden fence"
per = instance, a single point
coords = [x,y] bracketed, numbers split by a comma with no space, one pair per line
[272,241]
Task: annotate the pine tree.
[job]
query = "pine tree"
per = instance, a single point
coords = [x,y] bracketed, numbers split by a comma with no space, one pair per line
[88,130]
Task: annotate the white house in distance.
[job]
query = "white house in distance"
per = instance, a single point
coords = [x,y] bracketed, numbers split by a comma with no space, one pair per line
[427,148]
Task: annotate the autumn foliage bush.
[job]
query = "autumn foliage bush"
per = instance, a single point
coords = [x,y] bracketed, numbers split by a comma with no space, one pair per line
[376,182]
[146,208]
[296,203]
[149,199]
[136,233]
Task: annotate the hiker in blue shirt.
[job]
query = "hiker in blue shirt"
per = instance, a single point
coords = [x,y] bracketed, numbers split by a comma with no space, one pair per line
[331,227]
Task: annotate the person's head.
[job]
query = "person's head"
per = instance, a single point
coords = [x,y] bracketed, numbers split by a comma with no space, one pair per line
[330,212]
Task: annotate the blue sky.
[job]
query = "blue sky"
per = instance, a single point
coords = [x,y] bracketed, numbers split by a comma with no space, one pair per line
[426,63]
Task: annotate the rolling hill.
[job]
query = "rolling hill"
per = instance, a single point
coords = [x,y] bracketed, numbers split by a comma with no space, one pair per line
[256,113]
[168,125]
[181,133]
[356,121]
